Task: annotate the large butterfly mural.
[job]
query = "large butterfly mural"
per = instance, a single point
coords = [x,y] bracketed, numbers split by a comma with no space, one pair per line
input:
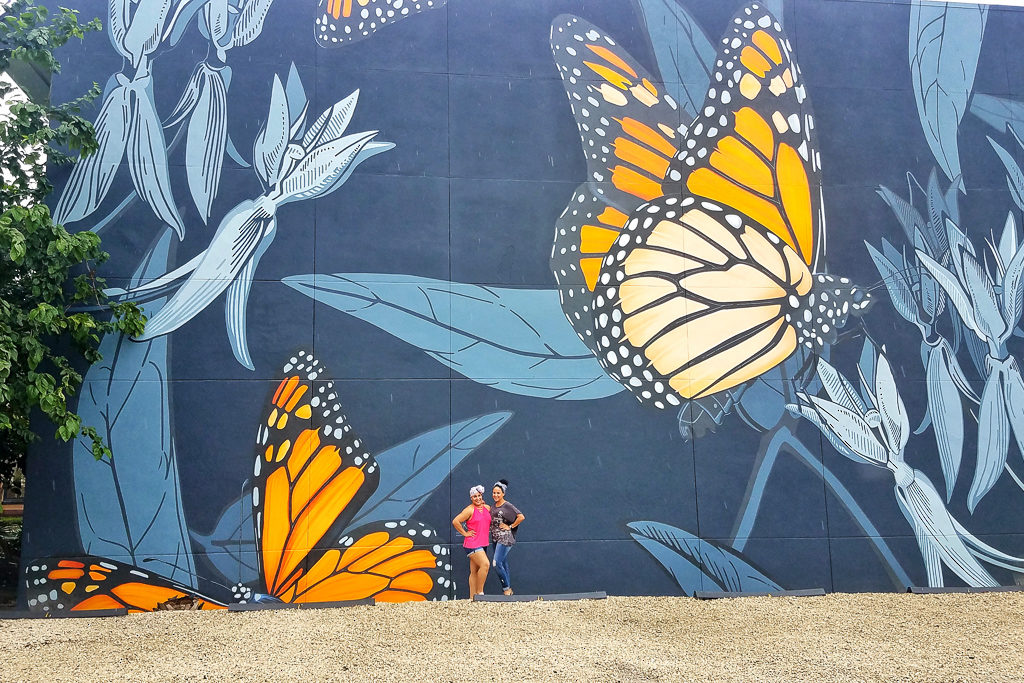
[311,475]
[691,261]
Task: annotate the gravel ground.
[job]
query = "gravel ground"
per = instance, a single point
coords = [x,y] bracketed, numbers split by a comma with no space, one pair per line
[838,637]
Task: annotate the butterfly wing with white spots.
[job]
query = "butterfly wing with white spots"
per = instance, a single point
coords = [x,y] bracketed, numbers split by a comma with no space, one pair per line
[59,585]
[712,287]
[341,22]
[312,474]
[629,126]
[753,145]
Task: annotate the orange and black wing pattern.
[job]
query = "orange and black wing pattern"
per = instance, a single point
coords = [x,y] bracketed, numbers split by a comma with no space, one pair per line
[711,286]
[753,146]
[57,586]
[393,561]
[340,22]
[630,133]
[312,474]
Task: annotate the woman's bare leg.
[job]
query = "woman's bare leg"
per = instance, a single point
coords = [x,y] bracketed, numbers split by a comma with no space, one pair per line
[478,565]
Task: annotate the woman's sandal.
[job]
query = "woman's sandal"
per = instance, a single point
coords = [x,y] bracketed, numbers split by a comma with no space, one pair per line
[508,591]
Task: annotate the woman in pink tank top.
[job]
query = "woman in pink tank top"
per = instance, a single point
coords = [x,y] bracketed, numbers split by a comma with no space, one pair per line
[474,523]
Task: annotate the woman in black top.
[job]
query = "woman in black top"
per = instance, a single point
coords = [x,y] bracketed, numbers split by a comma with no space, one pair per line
[505,517]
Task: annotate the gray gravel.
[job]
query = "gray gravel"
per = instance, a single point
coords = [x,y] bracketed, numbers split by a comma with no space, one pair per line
[837,637]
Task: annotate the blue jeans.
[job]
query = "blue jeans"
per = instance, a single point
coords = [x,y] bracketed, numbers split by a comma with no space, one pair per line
[501,564]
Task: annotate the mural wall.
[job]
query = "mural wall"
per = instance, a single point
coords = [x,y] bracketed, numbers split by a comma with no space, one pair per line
[729,292]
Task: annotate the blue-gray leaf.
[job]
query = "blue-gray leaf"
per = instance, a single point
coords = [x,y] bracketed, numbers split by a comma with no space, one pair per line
[92,176]
[945,42]
[412,470]
[944,406]
[896,282]
[697,564]
[147,157]
[1014,176]
[993,439]
[231,546]
[130,506]
[206,141]
[685,56]
[998,112]
[515,340]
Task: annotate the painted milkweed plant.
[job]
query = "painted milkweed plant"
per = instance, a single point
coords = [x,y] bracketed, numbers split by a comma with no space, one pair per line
[871,426]
[293,163]
[128,394]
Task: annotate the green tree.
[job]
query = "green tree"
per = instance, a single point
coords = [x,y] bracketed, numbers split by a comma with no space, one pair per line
[53,312]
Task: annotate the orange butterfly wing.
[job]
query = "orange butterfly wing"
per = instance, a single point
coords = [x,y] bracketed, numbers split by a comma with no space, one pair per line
[66,585]
[753,146]
[630,132]
[711,287]
[394,561]
[347,21]
[313,473]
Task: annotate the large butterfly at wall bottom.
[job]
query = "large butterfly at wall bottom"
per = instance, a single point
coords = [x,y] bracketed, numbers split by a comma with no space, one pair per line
[311,475]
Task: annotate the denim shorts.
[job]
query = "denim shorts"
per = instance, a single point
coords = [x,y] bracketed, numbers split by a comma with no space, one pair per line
[470,551]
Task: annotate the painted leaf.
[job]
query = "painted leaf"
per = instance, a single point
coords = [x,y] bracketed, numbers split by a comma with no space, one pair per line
[895,423]
[298,103]
[839,389]
[998,112]
[698,564]
[910,219]
[934,527]
[684,54]
[236,302]
[206,141]
[92,176]
[514,340]
[1008,241]
[1013,395]
[849,428]
[978,285]
[250,22]
[231,545]
[180,20]
[1014,175]
[239,235]
[942,206]
[117,25]
[326,167]
[946,411]
[993,439]
[268,149]
[897,285]
[412,470]
[1013,291]
[130,505]
[147,157]
[955,292]
[945,42]
[147,25]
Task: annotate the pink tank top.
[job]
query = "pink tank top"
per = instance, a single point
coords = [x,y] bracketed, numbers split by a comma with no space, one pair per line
[480,522]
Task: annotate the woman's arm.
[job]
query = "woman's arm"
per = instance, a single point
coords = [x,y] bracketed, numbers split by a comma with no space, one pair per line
[461,519]
[516,522]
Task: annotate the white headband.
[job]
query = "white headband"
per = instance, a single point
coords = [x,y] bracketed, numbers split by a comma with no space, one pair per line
[503,487]
[476,489]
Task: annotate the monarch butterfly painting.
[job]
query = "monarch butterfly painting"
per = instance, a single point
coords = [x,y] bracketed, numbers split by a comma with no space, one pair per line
[311,475]
[347,21]
[689,261]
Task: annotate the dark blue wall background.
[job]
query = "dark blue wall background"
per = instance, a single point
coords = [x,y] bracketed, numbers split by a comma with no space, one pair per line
[487,156]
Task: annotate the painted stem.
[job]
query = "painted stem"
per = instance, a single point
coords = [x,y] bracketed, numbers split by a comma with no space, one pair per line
[781,438]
